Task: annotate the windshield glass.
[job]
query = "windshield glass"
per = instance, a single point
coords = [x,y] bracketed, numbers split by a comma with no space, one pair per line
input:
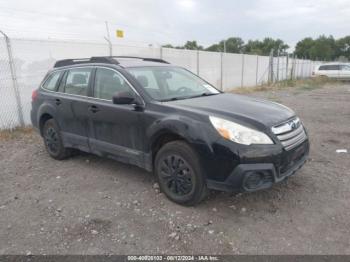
[171,83]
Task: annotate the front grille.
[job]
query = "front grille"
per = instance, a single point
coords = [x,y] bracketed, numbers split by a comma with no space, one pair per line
[290,134]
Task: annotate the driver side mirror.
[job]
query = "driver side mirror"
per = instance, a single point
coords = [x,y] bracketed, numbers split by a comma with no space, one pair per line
[123,98]
[127,98]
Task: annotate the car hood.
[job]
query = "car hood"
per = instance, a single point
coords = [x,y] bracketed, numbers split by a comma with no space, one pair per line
[237,107]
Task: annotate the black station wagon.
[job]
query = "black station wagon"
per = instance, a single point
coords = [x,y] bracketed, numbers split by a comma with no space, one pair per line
[165,119]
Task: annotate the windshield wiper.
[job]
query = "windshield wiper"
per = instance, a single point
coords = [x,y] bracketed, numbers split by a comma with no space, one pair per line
[170,99]
[204,94]
[188,97]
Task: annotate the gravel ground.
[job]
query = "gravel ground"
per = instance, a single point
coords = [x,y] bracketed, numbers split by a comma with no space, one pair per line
[91,205]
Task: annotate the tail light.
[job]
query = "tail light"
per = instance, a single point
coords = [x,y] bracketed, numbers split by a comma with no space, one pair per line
[34,95]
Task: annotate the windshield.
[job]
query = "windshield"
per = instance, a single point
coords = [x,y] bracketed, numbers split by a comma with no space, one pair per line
[171,83]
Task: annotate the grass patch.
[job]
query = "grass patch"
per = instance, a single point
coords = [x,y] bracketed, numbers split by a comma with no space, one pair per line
[299,85]
[15,133]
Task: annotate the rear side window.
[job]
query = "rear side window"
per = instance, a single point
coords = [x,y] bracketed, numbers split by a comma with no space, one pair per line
[51,81]
[78,81]
[329,67]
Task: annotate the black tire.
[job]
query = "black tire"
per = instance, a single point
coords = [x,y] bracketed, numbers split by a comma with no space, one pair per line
[179,173]
[53,141]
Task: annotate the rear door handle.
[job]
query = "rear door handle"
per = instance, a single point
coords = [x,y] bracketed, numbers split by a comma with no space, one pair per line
[94,109]
[58,101]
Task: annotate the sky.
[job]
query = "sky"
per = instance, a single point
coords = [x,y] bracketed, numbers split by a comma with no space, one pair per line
[159,22]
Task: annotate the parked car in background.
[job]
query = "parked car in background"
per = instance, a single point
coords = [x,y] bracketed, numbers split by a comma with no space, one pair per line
[339,71]
[165,119]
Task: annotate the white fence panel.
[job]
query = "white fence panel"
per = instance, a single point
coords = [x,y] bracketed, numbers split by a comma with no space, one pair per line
[263,69]
[249,71]
[210,67]
[139,51]
[180,57]
[232,70]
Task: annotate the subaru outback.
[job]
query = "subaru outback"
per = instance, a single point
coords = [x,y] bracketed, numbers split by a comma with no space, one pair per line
[163,118]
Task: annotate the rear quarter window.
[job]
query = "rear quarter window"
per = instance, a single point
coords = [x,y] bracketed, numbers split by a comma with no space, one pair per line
[51,82]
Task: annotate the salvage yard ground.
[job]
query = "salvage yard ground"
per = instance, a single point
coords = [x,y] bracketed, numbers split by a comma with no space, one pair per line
[91,205]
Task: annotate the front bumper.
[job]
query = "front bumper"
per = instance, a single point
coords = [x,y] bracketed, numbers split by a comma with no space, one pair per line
[249,177]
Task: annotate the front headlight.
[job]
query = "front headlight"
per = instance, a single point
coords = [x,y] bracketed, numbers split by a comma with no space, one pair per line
[238,133]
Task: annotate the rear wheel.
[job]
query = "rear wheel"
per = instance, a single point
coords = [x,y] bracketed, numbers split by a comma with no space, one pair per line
[53,141]
[180,174]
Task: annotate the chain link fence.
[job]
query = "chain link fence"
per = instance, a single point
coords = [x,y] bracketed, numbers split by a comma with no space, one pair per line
[24,63]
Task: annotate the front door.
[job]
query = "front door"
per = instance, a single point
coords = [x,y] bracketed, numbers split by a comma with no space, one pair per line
[344,72]
[115,130]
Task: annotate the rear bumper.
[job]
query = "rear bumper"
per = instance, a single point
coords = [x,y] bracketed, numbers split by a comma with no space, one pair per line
[258,176]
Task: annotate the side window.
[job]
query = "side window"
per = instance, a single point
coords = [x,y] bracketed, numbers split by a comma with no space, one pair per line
[345,67]
[108,82]
[51,81]
[78,81]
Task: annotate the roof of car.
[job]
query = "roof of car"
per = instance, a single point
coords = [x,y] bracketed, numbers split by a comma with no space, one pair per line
[123,61]
[335,63]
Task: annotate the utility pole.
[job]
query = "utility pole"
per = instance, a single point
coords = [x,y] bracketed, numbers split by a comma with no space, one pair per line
[108,39]
[224,46]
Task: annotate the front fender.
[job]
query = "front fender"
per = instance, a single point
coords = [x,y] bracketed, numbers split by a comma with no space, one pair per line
[196,133]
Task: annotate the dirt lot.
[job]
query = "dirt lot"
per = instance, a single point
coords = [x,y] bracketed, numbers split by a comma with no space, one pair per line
[91,205]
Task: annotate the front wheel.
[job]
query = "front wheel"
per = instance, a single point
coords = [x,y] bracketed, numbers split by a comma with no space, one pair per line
[179,173]
[53,141]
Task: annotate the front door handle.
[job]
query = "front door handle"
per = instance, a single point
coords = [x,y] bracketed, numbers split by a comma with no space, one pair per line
[94,109]
[58,101]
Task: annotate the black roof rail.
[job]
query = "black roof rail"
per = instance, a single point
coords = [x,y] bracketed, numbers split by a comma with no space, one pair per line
[94,59]
[103,59]
[145,59]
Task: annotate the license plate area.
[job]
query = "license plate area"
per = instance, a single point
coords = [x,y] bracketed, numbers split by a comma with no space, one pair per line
[291,158]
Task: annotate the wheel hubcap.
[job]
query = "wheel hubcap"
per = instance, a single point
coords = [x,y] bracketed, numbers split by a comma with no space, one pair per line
[51,140]
[176,175]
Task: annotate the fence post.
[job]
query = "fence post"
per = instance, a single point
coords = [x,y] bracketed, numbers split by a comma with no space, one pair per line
[161,52]
[14,79]
[197,62]
[270,75]
[257,70]
[287,65]
[221,71]
[296,67]
[278,66]
[242,76]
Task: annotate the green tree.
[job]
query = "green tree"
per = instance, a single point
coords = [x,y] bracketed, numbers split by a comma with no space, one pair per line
[192,45]
[343,47]
[254,47]
[233,45]
[265,46]
[324,48]
[303,47]
[168,46]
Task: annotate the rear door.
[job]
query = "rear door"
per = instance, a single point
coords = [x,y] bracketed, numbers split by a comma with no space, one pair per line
[73,105]
[115,130]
